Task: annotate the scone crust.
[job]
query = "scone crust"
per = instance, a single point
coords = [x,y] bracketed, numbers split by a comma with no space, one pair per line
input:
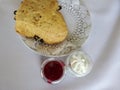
[41,18]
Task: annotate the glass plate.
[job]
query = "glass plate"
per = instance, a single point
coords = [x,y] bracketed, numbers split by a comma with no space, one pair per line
[79,25]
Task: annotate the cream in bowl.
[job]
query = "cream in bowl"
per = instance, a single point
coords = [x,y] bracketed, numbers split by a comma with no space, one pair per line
[79,63]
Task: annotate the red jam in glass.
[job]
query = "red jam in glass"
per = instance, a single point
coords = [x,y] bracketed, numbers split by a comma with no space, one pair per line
[53,71]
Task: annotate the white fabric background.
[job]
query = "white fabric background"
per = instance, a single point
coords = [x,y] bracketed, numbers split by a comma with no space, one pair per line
[20,68]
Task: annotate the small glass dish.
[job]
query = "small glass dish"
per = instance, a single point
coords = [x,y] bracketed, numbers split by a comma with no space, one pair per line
[79,64]
[53,70]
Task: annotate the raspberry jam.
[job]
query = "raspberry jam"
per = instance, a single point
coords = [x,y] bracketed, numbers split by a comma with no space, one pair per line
[53,71]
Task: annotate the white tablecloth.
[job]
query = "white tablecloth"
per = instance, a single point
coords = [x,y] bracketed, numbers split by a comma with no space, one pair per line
[20,68]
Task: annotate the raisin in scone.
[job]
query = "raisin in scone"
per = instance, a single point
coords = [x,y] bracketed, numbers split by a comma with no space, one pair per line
[41,18]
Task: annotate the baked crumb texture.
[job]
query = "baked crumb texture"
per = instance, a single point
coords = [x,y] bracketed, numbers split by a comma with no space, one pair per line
[41,18]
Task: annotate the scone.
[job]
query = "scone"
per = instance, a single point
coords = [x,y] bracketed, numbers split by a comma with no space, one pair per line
[41,18]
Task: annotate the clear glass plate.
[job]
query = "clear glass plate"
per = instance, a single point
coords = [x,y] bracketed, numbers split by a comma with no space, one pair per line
[79,25]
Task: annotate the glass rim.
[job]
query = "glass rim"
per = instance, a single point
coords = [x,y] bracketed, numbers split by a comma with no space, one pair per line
[49,60]
[90,65]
